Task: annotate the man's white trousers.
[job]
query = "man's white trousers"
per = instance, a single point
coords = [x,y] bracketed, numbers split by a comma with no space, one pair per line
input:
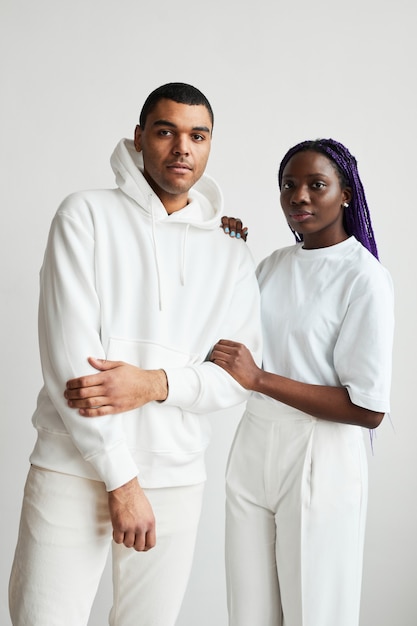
[64,539]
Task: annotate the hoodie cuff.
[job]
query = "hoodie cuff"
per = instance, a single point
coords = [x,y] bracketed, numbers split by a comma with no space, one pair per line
[184,387]
[115,467]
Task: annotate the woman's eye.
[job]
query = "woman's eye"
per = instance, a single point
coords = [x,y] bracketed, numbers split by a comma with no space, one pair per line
[286,185]
[318,185]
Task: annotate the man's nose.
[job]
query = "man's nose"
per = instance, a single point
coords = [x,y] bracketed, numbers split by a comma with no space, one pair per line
[181,145]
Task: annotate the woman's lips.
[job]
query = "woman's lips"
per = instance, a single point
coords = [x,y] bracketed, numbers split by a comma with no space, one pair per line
[300,217]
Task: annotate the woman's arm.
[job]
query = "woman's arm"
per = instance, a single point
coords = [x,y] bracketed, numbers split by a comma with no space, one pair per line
[324,402]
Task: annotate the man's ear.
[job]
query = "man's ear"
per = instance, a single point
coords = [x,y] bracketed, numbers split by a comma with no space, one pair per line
[138,138]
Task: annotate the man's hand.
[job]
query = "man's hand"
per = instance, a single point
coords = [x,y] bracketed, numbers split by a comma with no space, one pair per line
[119,387]
[132,517]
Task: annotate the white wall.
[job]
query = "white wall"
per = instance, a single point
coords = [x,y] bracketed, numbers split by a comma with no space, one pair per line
[74,76]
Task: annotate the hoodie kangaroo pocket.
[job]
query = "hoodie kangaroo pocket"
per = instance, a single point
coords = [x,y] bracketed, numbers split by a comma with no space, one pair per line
[148,354]
[158,427]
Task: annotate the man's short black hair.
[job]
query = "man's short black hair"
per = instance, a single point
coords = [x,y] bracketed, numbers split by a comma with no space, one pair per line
[178,92]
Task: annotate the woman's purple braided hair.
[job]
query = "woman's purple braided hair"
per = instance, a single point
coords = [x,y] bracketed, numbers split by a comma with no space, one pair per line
[357,219]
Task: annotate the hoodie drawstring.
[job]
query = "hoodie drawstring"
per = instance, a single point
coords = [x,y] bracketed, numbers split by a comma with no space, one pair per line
[184,247]
[155,253]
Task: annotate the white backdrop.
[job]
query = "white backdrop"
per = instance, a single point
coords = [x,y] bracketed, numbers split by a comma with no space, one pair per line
[74,75]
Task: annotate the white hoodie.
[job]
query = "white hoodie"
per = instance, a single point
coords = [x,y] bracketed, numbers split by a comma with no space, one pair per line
[123,280]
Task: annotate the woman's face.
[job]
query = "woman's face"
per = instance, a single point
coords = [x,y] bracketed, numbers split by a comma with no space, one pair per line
[312,199]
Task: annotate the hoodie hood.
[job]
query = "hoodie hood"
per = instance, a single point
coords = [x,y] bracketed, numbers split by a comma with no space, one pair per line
[206,201]
[203,211]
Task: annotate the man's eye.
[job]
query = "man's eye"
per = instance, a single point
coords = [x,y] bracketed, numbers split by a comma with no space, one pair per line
[165,133]
[198,137]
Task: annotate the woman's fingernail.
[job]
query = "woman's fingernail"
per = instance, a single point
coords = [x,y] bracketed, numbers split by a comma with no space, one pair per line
[233,234]
[226,230]
[238,236]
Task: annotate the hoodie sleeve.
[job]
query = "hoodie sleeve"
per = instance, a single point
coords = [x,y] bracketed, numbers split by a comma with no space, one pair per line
[207,387]
[69,331]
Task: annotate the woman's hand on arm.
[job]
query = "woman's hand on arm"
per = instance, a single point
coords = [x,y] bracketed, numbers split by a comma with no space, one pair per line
[324,402]
[237,360]
[118,387]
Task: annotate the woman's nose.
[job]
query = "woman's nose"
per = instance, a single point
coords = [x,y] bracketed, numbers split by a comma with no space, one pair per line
[300,195]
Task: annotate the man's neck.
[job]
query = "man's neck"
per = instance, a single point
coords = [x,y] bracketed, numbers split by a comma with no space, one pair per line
[175,204]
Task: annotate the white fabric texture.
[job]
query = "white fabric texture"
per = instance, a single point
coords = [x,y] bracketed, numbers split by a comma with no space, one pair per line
[296,507]
[63,547]
[297,485]
[123,280]
[328,319]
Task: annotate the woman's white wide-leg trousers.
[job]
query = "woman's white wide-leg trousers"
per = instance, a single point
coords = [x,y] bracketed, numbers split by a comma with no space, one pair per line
[295,522]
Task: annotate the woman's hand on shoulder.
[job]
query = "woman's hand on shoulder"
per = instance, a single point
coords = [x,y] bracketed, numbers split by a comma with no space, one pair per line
[233,227]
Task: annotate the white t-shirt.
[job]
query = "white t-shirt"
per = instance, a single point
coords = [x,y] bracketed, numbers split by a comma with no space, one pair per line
[327,318]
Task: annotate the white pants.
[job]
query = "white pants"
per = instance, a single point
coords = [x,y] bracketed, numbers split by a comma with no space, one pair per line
[295,522]
[64,538]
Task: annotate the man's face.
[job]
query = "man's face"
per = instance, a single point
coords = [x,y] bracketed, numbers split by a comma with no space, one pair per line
[175,144]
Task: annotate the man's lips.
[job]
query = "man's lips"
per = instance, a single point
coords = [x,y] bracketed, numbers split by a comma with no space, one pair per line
[179,167]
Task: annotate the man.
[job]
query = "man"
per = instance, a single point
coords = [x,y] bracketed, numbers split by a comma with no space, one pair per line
[144,276]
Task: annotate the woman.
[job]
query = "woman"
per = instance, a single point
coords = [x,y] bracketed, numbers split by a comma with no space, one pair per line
[297,474]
